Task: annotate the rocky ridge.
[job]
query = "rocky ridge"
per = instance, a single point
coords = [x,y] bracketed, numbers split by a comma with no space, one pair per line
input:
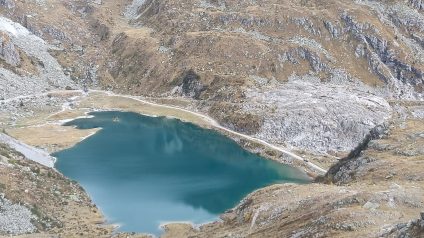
[374,192]
[362,44]
[229,58]
[314,76]
[49,75]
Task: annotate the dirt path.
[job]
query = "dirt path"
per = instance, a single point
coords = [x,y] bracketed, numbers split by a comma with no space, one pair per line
[39,95]
[216,125]
[208,120]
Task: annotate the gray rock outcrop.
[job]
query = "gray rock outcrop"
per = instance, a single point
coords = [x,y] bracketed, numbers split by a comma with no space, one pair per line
[15,219]
[8,52]
[307,114]
[50,73]
[9,4]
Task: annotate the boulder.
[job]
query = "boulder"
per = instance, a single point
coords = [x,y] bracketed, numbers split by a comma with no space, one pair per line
[8,51]
[9,4]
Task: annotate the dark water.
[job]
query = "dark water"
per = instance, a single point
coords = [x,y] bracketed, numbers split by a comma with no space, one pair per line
[143,171]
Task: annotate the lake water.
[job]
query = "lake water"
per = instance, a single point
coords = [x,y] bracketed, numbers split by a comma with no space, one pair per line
[144,171]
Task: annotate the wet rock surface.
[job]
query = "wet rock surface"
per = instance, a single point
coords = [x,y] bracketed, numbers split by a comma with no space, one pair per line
[189,85]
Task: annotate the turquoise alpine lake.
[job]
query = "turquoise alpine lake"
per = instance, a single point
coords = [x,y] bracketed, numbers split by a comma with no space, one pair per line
[145,171]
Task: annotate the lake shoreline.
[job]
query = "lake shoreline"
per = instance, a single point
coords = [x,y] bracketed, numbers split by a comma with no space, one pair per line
[87,110]
[175,141]
[254,148]
[96,100]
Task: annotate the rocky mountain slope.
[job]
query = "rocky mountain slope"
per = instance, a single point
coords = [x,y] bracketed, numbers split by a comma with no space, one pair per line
[249,62]
[45,202]
[37,201]
[294,73]
[374,192]
[314,76]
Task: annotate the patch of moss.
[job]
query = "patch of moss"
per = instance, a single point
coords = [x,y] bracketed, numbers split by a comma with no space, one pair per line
[2,187]
[35,170]
[35,210]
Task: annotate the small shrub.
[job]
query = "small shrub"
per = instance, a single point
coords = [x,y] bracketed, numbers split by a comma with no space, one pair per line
[13,161]
[35,170]
[36,211]
[2,187]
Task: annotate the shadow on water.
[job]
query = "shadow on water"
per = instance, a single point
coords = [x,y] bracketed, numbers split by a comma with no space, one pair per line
[144,170]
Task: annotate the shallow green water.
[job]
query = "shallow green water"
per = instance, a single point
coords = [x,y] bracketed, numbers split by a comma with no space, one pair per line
[143,171]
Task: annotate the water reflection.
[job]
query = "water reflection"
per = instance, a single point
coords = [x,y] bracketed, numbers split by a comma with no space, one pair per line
[142,171]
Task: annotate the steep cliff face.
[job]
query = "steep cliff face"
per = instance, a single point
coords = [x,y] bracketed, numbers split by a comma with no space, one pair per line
[8,51]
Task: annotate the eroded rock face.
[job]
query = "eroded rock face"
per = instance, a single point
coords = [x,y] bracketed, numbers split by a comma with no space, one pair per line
[9,4]
[189,84]
[413,228]
[322,117]
[8,52]
[418,4]
[374,193]
[282,45]
[405,79]
[245,54]
[50,73]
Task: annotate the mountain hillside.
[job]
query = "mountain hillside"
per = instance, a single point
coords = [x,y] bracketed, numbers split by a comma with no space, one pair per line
[311,75]
[338,82]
